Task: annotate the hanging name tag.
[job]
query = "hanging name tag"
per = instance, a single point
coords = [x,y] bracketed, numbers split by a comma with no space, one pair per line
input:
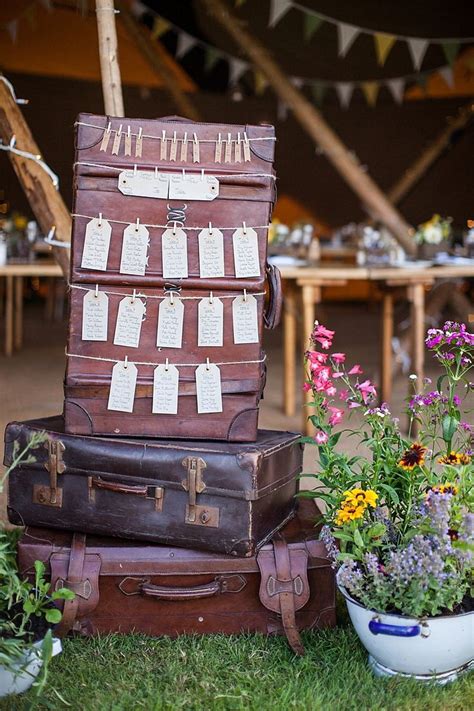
[96,245]
[246,257]
[122,387]
[170,323]
[210,322]
[211,253]
[129,322]
[134,259]
[244,318]
[143,183]
[193,187]
[174,254]
[208,388]
[165,390]
[95,312]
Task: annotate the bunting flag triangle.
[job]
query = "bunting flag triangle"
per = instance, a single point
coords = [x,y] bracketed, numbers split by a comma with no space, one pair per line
[261,83]
[236,68]
[346,35]
[282,111]
[278,8]
[371,90]
[160,27]
[312,23]
[397,89]
[12,29]
[417,49]
[138,8]
[184,44]
[383,45]
[450,50]
[212,57]
[318,91]
[344,91]
[297,82]
[448,76]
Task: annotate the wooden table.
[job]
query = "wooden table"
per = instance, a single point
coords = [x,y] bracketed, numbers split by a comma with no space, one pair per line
[304,284]
[14,274]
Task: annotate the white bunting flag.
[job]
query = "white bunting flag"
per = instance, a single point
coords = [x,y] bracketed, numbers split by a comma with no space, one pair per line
[447,74]
[397,89]
[236,68]
[346,35]
[417,49]
[344,91]
[278,8]
[184,44]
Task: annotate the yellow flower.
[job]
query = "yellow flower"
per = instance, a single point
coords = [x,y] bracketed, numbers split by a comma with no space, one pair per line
[361,497]
[20,222]
[349,513]
[447,488]
[455,458]
[413,457]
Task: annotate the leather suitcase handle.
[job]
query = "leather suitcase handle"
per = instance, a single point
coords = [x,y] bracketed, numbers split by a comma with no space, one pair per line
[273,311]
[178,593]
[119,488]
[175,117]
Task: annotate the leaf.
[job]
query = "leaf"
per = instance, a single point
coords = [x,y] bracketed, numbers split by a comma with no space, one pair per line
[63,594]
[39,568]
[391,492]
[377,530]
[449,427]
[342,536]
[307,494]
[28,606]
[358,540]
[53,615]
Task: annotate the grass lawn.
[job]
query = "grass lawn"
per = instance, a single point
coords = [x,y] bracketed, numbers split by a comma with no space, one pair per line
[127,673]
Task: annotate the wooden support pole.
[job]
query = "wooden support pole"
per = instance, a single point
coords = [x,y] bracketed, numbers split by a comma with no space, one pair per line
[45,201]
[151,52]
[108,52]
[426,159]
[375,201]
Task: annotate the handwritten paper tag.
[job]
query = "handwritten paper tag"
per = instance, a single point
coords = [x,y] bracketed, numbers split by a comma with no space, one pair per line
[210,322]
[95,312]
[246,257]
[170,323]
[174,254]
[208,388]
[122,387]
[244,318]
[211,253]
[228,150]
[96,245]
[193,187]
[129,322]
[134,259]
[143,183]
[165,390]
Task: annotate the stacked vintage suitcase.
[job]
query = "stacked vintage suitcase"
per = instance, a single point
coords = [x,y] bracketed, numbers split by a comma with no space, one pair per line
[168,289]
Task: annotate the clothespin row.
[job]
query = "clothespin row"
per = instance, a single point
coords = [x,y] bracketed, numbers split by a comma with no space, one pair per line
[118,138]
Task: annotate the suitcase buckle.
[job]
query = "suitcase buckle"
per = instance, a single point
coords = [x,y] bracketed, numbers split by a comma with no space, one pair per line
[194,485]
[51,495]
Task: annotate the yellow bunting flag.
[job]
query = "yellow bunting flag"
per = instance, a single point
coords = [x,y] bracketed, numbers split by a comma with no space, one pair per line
[160,27]
[261,83]
[371,90]
[383,45]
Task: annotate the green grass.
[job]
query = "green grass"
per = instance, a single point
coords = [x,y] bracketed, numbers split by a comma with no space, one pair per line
[129,673]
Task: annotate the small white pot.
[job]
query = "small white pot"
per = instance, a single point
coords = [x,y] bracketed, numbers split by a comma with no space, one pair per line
[431,649]
[19,678]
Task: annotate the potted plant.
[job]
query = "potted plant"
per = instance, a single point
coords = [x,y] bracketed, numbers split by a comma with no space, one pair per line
[28,613]
[433,236]
[399,514]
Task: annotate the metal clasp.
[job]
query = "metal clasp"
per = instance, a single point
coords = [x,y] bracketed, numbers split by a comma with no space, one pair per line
[52,495]
[194,485]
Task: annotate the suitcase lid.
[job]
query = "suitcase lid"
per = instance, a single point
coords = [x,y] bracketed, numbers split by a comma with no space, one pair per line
[123,557]
[246,471]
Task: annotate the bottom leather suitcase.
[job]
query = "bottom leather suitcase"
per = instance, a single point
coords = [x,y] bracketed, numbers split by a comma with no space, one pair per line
[124,586]
[219,496]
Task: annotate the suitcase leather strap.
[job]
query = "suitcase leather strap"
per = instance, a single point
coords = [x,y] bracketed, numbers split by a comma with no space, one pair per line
[81,577]
[284,586]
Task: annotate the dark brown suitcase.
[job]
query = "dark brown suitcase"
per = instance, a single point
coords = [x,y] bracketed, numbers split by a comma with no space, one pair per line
[126,587]
[106,148]
[208,495]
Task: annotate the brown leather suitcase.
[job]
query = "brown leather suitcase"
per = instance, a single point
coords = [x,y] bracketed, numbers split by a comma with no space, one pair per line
[131,195]
[126,587]
[216,496]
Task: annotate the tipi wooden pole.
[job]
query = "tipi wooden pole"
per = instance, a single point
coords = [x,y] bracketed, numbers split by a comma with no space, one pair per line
[151,53]
[376,203]
[426,159]
[45,201]
[108,52]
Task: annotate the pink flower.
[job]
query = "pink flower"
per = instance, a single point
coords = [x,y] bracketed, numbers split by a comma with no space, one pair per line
[343,394]
[367,389]
[337,374]
[321,437]
[336,416]
[356,370]
[320,330]
[325,343]
[331,391]
[338,357]
[353,404]
[315,357]
[307,387]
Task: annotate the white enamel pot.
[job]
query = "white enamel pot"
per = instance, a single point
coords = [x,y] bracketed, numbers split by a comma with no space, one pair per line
[431,649]
[21,675]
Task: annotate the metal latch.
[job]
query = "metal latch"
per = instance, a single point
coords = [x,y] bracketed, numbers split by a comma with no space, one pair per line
[194,485]
[51,495]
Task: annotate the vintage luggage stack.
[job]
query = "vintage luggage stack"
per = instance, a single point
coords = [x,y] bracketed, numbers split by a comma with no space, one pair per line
[168,278]
[155,497]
